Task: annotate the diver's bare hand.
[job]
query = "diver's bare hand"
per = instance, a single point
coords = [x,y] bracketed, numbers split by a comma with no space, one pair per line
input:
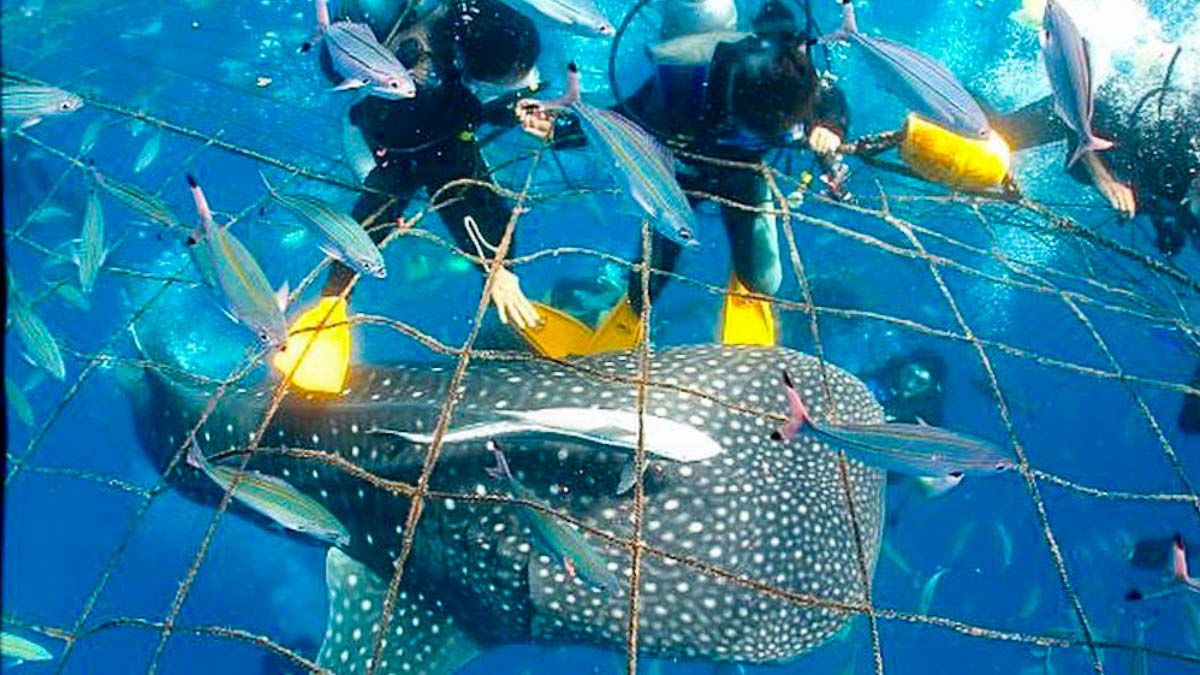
[824,141]
[511,303]
[534,119]
[1120,196]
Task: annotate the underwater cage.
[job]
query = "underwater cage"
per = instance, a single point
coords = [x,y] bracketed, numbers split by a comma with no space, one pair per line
[930,402]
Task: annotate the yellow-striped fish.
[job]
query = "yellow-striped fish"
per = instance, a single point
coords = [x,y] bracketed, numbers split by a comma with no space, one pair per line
[17,650]
[40,346]
[342,237]
[276,499]
[229,269]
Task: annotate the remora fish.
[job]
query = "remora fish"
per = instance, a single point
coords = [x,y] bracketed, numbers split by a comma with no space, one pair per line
[229,269]
[914,449]
[578,16]
[566,546]
[275,499]
[19,650]
[356,55]
[646,168]
[473,580]
[28,104]
[664,437]
[925,85]
[342,237]
[90,251]
[1069,67]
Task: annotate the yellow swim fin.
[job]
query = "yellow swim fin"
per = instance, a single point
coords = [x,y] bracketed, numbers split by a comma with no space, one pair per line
[746,321]
[326,351]
[620,331]
[559,335]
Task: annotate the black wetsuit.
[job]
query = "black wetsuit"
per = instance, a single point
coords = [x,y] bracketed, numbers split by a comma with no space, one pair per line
[426,142]
[1157,146]
[688,106]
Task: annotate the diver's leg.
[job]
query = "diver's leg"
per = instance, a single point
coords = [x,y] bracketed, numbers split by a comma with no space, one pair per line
[664,253]
[459,160]
[753,235]
[382,215]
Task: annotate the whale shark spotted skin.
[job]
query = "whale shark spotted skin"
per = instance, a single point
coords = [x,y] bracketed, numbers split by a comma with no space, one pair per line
[772,512]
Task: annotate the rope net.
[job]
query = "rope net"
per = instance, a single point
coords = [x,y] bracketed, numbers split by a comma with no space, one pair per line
[1065,338]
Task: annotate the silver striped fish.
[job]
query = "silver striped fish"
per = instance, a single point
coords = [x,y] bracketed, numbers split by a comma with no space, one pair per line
[18,650]
[90,251]
[40,346]
[914,449]
[925,85]
[360,60]
[229,269]
[137,199]
[149,151]
[28,104]
[1069,67]
[565,545]
[342,237]
[18,403]
[581,17]
[646,168]
[72,296]
[274,498]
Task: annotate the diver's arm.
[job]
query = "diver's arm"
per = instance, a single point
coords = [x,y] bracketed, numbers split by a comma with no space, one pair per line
[482,239]
[563,128]
[477,218]
[1119,195]
[559,127]
[831,111]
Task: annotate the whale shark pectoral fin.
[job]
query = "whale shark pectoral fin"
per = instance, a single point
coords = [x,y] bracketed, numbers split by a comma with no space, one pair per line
[421,632]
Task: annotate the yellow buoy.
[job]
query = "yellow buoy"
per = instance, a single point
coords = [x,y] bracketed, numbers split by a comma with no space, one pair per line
[955,161]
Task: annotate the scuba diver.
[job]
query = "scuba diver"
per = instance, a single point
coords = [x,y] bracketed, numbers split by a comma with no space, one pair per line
[471,60]
[758,93]
[909,387]
[1151,117]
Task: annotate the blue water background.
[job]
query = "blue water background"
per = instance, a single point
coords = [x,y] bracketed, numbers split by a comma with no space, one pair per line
[199,72]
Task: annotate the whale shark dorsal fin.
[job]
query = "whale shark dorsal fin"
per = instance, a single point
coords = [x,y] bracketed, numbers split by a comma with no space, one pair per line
[356,596]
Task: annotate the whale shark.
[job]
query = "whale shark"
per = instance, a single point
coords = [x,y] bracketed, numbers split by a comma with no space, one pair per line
[743,507]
